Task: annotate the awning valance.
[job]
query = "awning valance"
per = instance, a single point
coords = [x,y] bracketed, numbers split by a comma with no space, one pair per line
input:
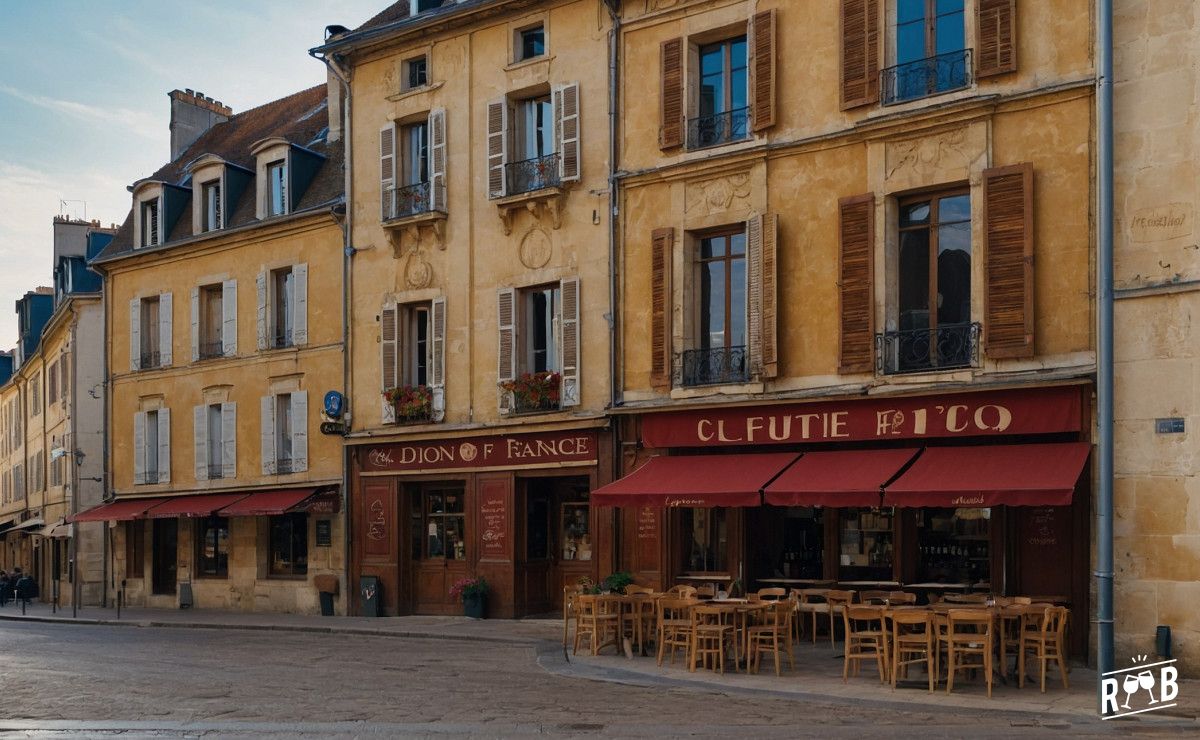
[838,478]
[121,510]
[994,475]
[28,525]
[268,503]
[696,481]
[204,504]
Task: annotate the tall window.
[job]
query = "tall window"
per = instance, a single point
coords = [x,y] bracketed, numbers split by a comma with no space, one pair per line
[277,188]
[211,321]
[540,308]
[530,43]
[283,297]
[535,124]
[215,441]
[212,547]
[150,233]
[35,395]
[151,447]
[720,312]
[416,371]
[721,107]
[151,352]
[211,193]
[414,139]
[439,523]
[52,382]
[930,49]
[704,540]
[289,545]
[283,432]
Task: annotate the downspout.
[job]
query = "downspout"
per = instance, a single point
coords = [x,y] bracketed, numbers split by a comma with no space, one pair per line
[615,386]
[73,504]
[108,568]
[1104,349]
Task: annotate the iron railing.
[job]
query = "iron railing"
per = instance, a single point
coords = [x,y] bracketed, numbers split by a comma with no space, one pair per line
[215,471]
[409,200]
[948,347]
[719,128]
[151,360]
[281,338]
[285,465]
[529,175]
[523,405]
[211,349]
[712,366]
[925,77]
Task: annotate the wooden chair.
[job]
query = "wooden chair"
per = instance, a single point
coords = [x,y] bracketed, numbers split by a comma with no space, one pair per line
[774,635]
[914,641]
[674,625]
[598,621]
[896,598]
[838,601]
[873,597]
[638,622]
[771,594]
[681,592]
[969,633]
[709,638]
[965,598]
[810,603]
[1047,642]
[571,611]
[865,640]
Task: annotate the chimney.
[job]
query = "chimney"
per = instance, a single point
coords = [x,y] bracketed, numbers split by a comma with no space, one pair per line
[191,115]
[334,95]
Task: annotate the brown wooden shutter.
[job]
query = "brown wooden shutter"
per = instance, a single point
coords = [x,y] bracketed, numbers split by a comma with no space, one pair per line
[855,292]
[860,52]
[506,336]
[662,244]
[1008,229]
[996,34]
[761,258]
[389,347]
[762,70]
[671,133]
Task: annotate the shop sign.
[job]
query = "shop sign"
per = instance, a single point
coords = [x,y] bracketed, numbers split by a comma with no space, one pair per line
[493,515]
[1011,412]
[499,451]
[327,502]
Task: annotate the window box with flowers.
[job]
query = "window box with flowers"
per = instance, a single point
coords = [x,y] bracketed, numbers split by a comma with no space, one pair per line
[473,592]
[534,392]
[413,403]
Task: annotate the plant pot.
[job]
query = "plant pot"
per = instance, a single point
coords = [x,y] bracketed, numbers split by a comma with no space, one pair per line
[474,605]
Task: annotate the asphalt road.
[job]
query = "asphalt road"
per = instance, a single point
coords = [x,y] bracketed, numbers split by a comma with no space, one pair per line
[99,681]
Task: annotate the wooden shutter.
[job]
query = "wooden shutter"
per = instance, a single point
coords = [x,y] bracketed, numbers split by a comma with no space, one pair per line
[762,70]
[569,345]
[856,226]
[267,434]
[389,347]
[662,248]
[566,129]
[139,448]
[300,304]
[1008,229]
[229,439]
[200,440]
[299,431]
[497,142]
[135,334]
[437,160]
[260,286]
[761,238]
[506,351]
[437,356]
[195,323]
[229,318]
[387,170]
[671,132]
[164,329]
[996,37]
[860,52]
[164,445]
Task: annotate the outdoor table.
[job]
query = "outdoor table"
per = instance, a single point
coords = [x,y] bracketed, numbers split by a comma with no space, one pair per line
[870,584]
[923,589]
[798,581]
[636,605]
[739,611]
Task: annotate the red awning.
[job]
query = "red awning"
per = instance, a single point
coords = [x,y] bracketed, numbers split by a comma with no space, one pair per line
[118,511]
[841,478]
[268,503]
[696,481]
[1008,475]
[203,504]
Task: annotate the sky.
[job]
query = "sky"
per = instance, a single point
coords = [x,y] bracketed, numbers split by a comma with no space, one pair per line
[84,109]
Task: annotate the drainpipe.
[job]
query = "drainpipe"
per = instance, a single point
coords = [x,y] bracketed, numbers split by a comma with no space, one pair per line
[615,386]
[1104,344]
[73,504]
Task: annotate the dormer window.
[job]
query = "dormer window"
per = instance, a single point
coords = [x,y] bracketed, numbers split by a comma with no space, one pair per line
[277,188]
[150,233]
[530,42]
[211,205]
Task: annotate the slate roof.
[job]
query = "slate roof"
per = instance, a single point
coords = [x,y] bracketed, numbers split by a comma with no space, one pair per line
[301,118]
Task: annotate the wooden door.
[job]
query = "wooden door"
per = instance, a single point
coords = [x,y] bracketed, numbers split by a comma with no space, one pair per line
[165,558]
[438,546]
[537,548]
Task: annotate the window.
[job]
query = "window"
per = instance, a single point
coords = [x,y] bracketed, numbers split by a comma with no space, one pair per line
[420,6]
[215,441]
[214,436]
[135,548]
[954,545]
[151,355]
[211,205]
[867,538]
[722,111]
[283,433]
[284,429]
[933,286]
[416,370]
[56,464]
[414,141]
[930,50]
[282,313]
[438,524]
[530,43]
[37,472]
[35,395]
[212,321]
[150,234]
[540,323]
[705,540]
[416,73]
[150,448]
[719,354]
[537,162]
[212,547]
[52,383]
[277,203]
[289,545]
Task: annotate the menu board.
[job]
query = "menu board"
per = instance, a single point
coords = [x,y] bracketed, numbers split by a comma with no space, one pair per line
[647,537]
[493,519]
[377,520]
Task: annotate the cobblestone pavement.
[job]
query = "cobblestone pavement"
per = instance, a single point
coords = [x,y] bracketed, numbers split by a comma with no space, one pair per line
[98,681]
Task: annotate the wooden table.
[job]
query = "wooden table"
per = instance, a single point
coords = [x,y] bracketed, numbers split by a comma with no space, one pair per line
[740,611]
[637,606]
[798,581]
[870,584]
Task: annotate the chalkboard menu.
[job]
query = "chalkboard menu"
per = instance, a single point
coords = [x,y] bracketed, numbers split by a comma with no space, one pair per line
[647,537]
[493,519]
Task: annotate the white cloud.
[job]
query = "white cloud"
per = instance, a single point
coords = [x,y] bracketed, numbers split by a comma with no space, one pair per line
[128,120]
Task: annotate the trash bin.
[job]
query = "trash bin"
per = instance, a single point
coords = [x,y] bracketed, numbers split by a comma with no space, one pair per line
[326,604]
[368,596]
[327,588]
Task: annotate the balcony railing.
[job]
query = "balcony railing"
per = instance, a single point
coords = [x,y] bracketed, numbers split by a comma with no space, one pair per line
[712,366]
[284,466]
[925,77]
[412,404]
[948,347]
[150,359]
[720,128]
[529,175]
[281,338]
[211,349]
[410,200]
[215,471]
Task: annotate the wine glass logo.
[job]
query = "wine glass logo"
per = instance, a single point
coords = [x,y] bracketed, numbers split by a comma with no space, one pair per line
[1146,681]
[1130,685]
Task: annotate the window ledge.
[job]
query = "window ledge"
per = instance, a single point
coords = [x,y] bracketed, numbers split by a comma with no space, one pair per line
[415,91]
[407,230]
[704,391]
[542,203]
[921,377]
[530,62]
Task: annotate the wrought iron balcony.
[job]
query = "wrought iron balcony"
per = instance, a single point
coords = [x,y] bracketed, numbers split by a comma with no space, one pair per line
[925,77]
[712,366]
[948,347]
[719,128]
[410,200]
[211,349]
[529,175]
[150,359]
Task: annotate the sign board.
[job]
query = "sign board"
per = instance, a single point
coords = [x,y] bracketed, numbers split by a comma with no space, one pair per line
[493,519]
[497,452]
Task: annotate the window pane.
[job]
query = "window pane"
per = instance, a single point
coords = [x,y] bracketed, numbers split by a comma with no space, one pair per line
[456,544]
[712,81]
[737,243]
[214,438]
[152,447]
[420,346]
[416,154]
[737,303]
[955,208]
[910,42]
[910,10]
[914,280]
[454,503]
[434,503]
[950,33]
[283,427]
[712,305]
[713,246]
[533,42]
[954,273]
[299,543]
[917,213]
[737,67]
[436,537]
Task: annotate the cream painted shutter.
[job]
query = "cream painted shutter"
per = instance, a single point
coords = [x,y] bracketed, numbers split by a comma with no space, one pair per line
[195,324]
[437,160]
[387,170]
[260,285]
[267,430]
[300,304]
[497,143]
[299,431]
[164,445]
[566,129]
[437,358]
[135,334]
[229,440]
[389,357]
[229,318]
[164,329]
[761,278]
[200,440]
[569,344]
[506,355]
[139,448]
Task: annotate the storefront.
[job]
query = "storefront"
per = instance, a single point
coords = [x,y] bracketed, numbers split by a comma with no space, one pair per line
[514,509]
[972,491]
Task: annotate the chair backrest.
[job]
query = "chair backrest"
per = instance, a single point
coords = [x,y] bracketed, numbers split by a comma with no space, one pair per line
[860,617]
[681,592]
[873,597]
[633,590]
[976,621]
[901,597]
[811,595]
[675,609]
[1054,621]
[771,594]
[706,615]
[966,598]
[1020,600]
[839,597]
[907,620]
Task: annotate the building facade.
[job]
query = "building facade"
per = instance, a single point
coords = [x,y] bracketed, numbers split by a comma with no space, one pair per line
[479,300]
[223,334]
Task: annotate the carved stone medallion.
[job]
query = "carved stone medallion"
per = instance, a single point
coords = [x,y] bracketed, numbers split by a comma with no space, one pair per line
[418,273]
[535,249]
[716,195]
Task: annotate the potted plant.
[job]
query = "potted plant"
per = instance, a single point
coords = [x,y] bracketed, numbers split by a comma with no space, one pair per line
[535,391]
[473,592]
[412,402]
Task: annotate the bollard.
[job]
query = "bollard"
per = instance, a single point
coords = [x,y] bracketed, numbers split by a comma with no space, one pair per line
[22,606]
